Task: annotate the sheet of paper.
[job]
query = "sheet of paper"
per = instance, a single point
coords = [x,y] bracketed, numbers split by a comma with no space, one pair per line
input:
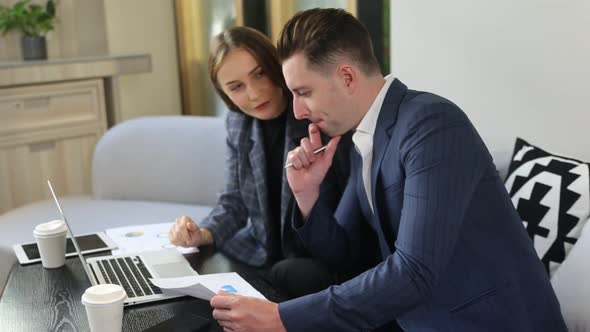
[140,238]
[206,285]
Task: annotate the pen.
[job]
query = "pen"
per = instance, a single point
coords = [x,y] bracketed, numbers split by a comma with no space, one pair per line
[314,152]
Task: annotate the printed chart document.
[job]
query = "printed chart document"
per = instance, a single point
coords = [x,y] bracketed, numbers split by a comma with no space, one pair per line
[140,238]
[205,286]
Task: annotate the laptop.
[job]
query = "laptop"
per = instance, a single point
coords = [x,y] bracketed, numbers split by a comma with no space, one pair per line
[132,271]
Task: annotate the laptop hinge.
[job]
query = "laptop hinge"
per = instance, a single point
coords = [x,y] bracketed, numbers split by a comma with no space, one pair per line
[95,277]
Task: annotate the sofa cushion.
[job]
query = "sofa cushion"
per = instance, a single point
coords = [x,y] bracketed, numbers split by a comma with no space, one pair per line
[501,157]
[86,215]
[178,159]
[552,196]
[571,285]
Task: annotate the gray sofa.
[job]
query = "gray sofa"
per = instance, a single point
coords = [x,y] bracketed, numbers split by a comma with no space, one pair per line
[570,281]
[150,170]
[146,170]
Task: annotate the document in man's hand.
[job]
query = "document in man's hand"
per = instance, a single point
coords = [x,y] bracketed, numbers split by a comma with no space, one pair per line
[205,286]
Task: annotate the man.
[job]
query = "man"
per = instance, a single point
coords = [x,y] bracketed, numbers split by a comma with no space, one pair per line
[453,253]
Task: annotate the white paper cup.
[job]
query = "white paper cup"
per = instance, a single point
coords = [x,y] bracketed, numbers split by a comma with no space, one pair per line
[104,307]
[51,241]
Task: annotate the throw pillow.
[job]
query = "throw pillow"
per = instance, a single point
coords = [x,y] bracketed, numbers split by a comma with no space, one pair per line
[552,196]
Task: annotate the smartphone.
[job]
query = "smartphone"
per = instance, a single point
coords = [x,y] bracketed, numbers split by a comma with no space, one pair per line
[28,253]
[185,322]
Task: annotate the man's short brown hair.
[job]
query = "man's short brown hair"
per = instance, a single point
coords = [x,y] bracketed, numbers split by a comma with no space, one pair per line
[324,35]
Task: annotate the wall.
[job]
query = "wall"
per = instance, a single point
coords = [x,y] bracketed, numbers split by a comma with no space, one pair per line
[145,26]
[517,68]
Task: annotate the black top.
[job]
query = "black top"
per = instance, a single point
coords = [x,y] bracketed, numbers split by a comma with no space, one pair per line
[274,149]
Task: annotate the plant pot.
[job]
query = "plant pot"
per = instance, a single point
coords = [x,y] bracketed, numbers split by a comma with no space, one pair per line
[34,47]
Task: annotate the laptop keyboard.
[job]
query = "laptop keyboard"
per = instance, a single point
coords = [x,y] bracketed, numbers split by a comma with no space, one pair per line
[133,276]
[130,273]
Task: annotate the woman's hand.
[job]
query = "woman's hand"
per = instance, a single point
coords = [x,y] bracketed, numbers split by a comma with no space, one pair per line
[186,233]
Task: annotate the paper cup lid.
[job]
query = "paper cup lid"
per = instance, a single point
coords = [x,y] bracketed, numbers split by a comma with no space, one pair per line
[101,294]
[51,228]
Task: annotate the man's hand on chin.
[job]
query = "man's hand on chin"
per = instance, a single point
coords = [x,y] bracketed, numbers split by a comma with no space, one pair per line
[237,313]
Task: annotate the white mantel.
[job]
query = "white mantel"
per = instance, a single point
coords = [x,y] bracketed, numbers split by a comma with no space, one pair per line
[56,70]
[108,68]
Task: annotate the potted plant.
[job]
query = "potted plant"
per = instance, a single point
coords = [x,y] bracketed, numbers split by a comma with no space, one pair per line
[33,21]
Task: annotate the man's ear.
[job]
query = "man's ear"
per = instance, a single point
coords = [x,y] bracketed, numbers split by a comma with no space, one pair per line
[348,77]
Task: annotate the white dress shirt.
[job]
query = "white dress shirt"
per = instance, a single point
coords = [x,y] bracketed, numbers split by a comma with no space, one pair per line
[363,136]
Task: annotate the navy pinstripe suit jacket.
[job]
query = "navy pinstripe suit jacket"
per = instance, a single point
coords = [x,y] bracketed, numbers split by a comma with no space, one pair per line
[453,254]
[239,221]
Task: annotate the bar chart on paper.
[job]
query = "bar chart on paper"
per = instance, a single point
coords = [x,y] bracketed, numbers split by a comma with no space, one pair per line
[205,286]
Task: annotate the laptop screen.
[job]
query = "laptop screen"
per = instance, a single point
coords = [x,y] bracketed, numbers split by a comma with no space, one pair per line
[72,237]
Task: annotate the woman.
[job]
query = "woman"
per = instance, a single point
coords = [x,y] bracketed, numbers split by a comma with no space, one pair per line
[251,221]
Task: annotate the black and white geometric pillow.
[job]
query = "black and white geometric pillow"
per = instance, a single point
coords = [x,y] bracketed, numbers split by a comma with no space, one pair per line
[552,197]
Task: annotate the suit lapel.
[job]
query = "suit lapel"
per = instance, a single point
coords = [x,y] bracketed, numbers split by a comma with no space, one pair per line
[382,135]
[381,139]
